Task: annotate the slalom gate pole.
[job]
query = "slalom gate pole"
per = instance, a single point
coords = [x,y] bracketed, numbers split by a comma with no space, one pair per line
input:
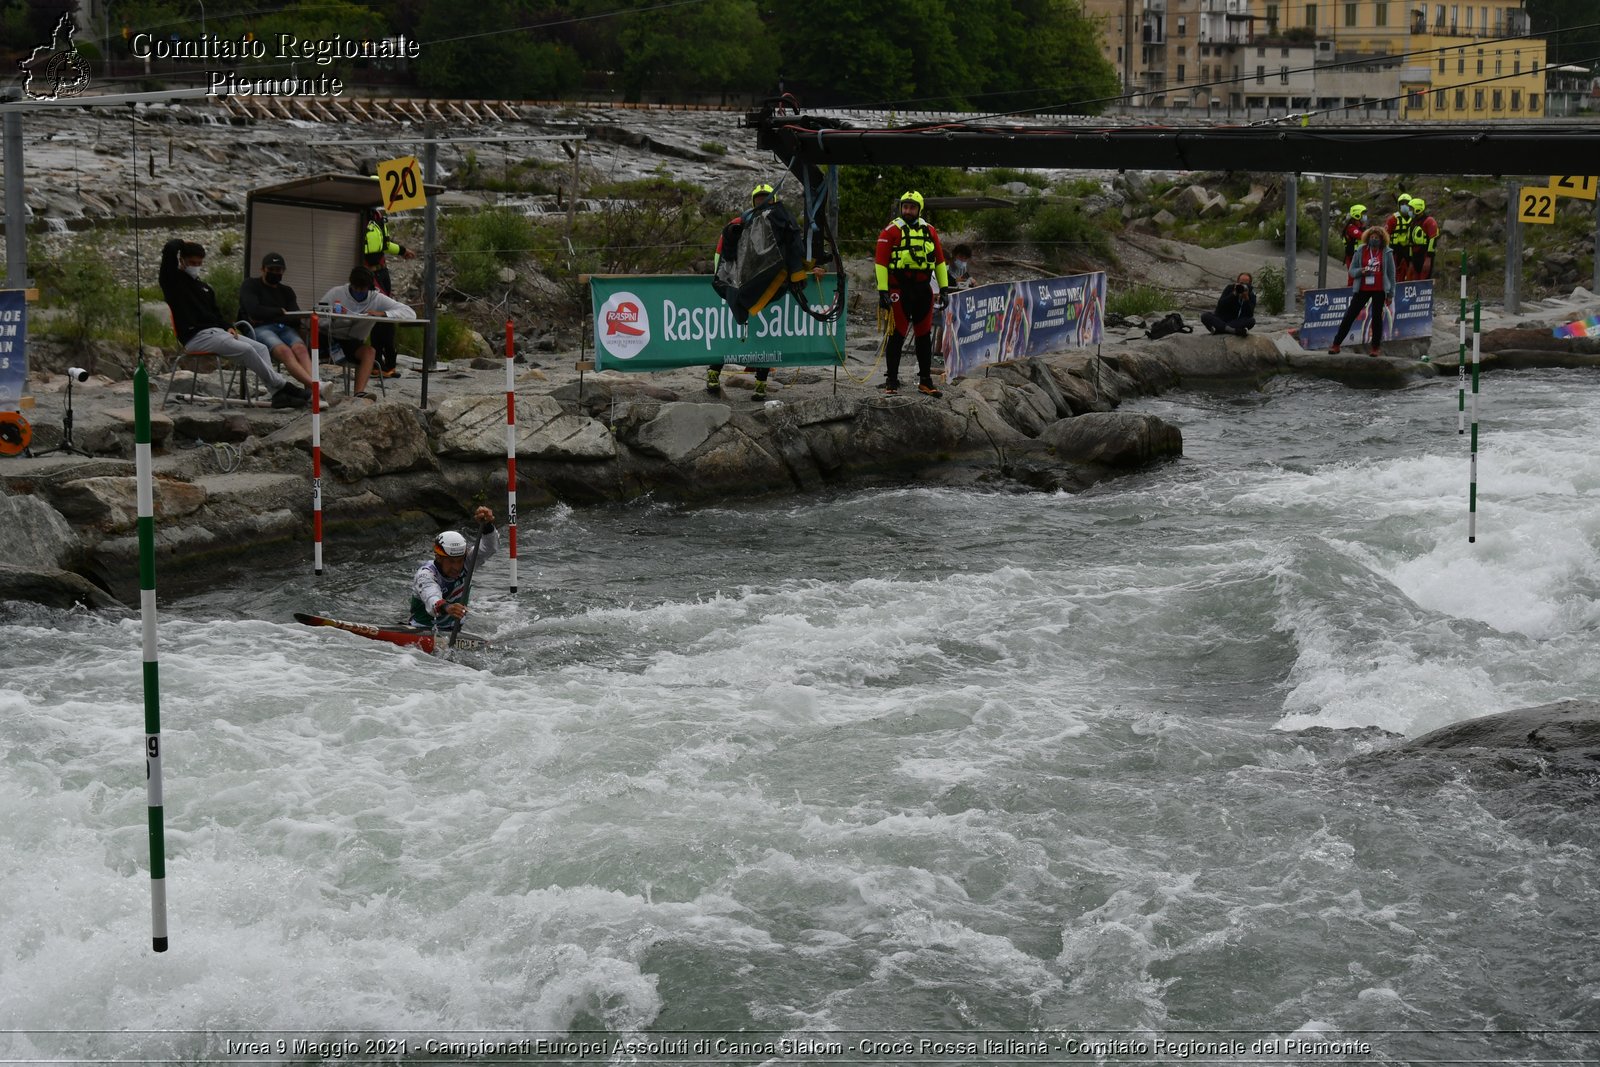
[1461,352]
[152,681]
[1472,489]
[511,451]
[316,456]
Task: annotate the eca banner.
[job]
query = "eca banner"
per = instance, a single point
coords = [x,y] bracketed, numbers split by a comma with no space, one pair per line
[1015,320]
[647,322]
[13,347]
[1410,314]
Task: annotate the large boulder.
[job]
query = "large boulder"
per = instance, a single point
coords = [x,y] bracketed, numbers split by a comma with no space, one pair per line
[111,505]
[1566,732]
[1362,371]
[363,440]
[1113,439]
[474,427]
[679,429]
[39,535]
[52,587]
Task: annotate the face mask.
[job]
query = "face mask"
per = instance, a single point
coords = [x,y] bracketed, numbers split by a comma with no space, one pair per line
[274,277]
[359,295]
[961,265]
[1374,243]
[192,271]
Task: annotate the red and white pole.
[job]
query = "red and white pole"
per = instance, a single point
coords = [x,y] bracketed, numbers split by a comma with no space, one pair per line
[511,452]
[316,454]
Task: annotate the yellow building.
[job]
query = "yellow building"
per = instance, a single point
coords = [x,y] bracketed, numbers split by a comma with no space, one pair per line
[1457,67]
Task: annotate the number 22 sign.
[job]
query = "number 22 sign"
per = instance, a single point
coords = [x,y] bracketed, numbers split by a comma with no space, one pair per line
[1536,205]
[401,183]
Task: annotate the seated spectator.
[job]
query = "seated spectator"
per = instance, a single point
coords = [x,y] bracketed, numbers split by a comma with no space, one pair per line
[350,338]
[1236,308]
[262,303]
[960,261]
[201,327]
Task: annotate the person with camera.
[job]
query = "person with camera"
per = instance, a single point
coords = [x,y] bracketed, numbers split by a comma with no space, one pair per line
[201,328]
[1236,308]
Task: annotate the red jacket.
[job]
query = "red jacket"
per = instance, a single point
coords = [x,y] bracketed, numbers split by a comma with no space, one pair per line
[1352,237]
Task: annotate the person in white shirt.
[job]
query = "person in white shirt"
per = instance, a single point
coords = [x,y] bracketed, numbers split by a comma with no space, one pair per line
[350,338]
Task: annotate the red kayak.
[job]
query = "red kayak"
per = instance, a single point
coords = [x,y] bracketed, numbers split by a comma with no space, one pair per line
[411,636]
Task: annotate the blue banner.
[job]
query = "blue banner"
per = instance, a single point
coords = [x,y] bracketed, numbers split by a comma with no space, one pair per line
[1015,320]
[13,347]
[1409,314]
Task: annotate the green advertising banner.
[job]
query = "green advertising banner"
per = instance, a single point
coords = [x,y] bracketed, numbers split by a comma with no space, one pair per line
[646,322]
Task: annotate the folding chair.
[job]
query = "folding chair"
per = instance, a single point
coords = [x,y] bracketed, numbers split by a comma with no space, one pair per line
[346,362]
[206,362]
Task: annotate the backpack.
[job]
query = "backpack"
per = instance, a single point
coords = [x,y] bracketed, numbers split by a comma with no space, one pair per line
[1173,323]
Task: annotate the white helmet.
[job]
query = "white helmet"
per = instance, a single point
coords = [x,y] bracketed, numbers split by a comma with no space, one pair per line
[450,543]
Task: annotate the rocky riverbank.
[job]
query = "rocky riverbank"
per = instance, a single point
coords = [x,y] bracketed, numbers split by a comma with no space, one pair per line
[234,483]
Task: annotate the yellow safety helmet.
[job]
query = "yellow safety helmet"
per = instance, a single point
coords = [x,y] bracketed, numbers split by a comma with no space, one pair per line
[1358,211]
[761,190]
[1403,198]
[914,197]
[1417,205]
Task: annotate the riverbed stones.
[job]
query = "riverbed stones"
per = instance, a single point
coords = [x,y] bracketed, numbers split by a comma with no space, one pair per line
[679,429]
[1114,438]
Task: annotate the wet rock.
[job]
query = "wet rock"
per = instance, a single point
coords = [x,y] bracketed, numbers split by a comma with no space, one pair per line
[679,429]
[39,536]
[365,440]
[112,504]
[474,427]
[53,588]
[1113,439]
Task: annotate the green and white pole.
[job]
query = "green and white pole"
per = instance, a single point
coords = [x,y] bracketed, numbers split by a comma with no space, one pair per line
[152,681]
[1472,489]
[1461,353]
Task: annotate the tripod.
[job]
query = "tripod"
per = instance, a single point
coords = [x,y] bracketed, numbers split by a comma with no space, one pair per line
[66,444]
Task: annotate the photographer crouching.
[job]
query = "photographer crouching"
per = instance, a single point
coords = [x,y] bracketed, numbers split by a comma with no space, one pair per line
[1236,308]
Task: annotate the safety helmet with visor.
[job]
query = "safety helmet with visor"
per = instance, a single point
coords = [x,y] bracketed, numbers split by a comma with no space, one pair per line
[761,190]
[1358,211]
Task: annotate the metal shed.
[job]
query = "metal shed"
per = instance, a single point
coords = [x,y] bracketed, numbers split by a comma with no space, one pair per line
[316,224]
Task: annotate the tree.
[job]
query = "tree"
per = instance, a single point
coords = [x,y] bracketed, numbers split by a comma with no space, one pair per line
[487,49]
[1559,21]
[716,45]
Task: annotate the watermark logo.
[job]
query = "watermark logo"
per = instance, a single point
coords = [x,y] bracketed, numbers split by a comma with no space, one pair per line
[55,69]
[624,325]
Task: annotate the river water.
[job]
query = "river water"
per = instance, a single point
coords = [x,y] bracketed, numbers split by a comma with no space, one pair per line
[881,764]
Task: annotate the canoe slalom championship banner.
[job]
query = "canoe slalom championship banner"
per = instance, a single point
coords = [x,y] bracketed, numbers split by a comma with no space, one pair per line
[1015,320]
[13,347]
[649,322]
[1409,314]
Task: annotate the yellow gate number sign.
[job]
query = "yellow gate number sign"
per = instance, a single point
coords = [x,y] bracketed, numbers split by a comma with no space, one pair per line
[1573,185]
[1536,205]
[401,183]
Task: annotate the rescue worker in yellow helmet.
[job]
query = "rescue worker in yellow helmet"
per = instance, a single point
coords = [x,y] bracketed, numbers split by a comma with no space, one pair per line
[912,276]
[1355,224]
[1424,238]
[1398,226]
[728,249]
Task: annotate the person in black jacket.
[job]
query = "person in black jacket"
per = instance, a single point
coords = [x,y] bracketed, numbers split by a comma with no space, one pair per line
[1236,308]
[201,327]
[264,303]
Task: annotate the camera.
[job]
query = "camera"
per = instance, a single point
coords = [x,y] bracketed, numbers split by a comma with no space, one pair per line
[77,374]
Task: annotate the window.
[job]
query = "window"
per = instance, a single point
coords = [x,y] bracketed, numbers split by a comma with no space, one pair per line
[1414,99]
[1441,64]
[1382,13]
[1438,17]
[1469,20]
[1461,100]
[1461,62]
[1516,100]
[1533,102]
[1283,75]
[1499,99]
[1261,53]
[1180,73]
[1349,14]
[1483,18]
[1183,26]
[1261,75]
[1283,52]
[1477,99]
[1497,63]
[1438,99]
[1272,19]
[1516,66]
[1455,17]
[1311,15]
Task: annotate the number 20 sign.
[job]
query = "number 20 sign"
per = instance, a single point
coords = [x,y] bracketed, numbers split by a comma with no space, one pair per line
[401,183]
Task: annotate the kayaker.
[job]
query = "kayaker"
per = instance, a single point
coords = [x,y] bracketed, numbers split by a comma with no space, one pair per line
[439,590]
